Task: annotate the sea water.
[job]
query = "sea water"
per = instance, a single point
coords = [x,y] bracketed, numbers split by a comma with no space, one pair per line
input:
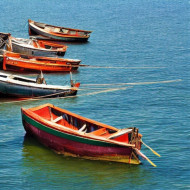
[145,43]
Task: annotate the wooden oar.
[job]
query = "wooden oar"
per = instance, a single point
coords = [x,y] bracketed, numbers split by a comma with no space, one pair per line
[151,149]
[145,157]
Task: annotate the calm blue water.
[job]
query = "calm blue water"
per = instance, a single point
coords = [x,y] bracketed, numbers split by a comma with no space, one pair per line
[151,39]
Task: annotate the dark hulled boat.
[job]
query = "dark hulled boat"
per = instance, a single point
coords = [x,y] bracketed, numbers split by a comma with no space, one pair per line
[57,33]
[22,87]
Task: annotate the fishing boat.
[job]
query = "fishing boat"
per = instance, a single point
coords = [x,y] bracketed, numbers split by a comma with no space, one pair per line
[57,32]
[22,87]
[32,47]
[73,135]
[17,62]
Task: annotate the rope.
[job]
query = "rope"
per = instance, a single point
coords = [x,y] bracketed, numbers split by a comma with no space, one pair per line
[88,94]
[102,91]
[138,83]
[104,67]
[96,88]
[38,97]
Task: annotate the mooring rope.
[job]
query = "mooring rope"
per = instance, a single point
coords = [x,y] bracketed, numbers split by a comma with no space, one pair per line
[87,94]
[38,97]
[97,92]
[108,67]
[137,83]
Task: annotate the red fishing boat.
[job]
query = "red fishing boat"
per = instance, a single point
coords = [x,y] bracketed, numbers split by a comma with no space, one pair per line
[73,135]
[57,32]
[18,62]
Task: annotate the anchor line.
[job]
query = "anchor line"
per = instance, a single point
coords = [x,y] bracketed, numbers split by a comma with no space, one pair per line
[109,67]
[87,94]
[138,83]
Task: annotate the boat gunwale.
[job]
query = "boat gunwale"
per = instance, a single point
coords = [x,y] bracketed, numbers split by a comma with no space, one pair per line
[43,67]
[34,61]
[73,29]
[60,35]
[38,86]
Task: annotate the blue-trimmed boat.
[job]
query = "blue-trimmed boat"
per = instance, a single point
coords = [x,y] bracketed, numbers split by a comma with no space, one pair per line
[22,87]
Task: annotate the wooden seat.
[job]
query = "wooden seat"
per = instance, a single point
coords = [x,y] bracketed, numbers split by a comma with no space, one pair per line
[57,119]
[120,132]
[66,124]
[83,128]
[99,132]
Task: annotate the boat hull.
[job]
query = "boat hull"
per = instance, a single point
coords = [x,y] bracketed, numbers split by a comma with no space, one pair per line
[30,65]
[35,31]
[23,91]
[75,145]
[35,52]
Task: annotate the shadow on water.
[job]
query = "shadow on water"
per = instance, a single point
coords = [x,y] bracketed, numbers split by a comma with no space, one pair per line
[42,162]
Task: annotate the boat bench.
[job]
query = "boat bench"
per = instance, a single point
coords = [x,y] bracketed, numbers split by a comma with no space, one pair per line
[59,120]
[119,133]
[99,132]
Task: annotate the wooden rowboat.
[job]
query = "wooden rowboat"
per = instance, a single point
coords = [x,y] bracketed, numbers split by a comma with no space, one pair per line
[34,47]
[73,135]
[17,62]
[22,87]
[57,32]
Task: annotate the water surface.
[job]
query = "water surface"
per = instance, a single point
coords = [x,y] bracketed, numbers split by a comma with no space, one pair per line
[149,42]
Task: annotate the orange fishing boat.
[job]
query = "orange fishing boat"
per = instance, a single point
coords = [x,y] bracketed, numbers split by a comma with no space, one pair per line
[71,134]
[18,62]
[57,32]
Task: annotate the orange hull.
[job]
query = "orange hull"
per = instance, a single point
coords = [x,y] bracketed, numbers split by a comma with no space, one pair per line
[14,61]
[46,43]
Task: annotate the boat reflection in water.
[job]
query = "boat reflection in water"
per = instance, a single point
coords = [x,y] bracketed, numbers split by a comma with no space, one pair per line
[40,162]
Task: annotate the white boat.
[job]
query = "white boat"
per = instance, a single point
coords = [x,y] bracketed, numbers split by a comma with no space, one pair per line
[22,87]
